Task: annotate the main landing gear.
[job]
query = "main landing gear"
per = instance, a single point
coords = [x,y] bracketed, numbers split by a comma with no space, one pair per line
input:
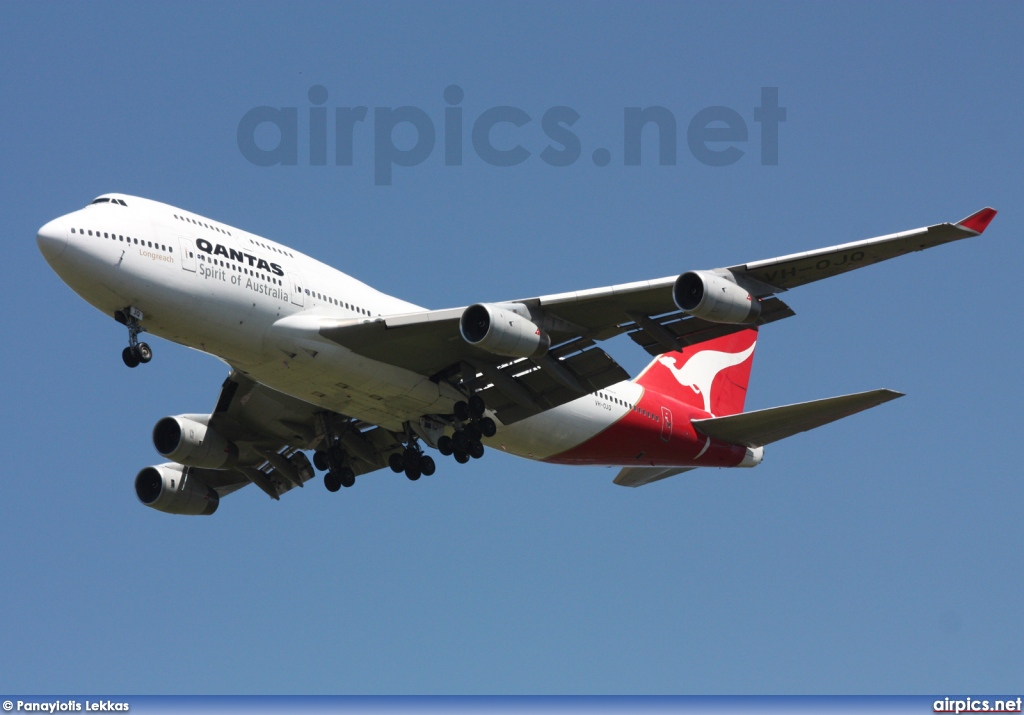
[333,462]
[471,426]
[413,462]
[136,353]
[468,421]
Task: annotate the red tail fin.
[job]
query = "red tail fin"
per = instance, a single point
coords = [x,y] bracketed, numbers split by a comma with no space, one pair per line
[711,376]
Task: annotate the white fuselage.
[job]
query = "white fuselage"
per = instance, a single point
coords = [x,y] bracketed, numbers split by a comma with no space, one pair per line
[258,304]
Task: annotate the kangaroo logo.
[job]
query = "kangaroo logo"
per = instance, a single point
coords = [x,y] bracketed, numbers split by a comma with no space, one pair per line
[700,371]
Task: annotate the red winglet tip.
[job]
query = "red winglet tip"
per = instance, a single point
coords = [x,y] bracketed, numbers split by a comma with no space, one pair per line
[979,221]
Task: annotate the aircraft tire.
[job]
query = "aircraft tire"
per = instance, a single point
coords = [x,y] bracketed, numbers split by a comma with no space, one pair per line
[487,427]
[476,406]
[427,466]
[476,450]
[445,446]
[396,463]
[461,411]
[320,460]
[461,457]
[144,352]
[332,482]
[129,357]
[346,477]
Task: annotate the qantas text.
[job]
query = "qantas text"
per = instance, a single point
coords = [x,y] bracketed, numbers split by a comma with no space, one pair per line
[232,255]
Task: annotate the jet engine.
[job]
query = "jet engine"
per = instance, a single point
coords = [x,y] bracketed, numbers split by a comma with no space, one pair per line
[170,488]
[712,297]
[503,330]
[188,441]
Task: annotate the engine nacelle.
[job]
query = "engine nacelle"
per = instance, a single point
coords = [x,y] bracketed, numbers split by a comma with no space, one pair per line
[710,296]
[186,441]
[503,330]
[171,489]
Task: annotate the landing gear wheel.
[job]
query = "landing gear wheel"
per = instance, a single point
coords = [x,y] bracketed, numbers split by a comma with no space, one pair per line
[460,442]
[461,411]
[129,357]
[445,446]
[472,433]
[476,450]
[396,463]
[336,458]
[476,406]
[320,461]
[144,353]
[346,478]
[411,458]
[413,473]
[487,427]
[461,457]
[332,481]
[427,466]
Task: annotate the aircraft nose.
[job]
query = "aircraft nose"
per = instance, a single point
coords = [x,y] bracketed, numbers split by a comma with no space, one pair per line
[52,240]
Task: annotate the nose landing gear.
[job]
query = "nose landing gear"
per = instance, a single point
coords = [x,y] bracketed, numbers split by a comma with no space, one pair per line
[136,353]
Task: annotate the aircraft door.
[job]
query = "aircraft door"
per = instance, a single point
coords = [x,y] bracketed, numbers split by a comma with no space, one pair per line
[297,285]
[666,424]
[188,254]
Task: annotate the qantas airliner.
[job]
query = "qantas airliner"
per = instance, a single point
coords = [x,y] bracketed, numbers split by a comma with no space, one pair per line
[322,362]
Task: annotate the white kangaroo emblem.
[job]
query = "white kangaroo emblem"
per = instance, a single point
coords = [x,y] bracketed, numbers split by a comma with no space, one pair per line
[701,370]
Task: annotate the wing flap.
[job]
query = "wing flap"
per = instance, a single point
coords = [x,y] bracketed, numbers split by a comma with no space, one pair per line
[591,367]
[761,427]
[687,330]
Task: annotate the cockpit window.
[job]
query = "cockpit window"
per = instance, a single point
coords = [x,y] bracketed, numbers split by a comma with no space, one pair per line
[105,199]
[101,201]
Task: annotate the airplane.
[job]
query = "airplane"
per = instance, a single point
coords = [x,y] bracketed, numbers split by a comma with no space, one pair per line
[322,362]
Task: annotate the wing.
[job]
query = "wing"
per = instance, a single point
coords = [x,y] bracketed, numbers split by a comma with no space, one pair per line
[430,342]
[785,272]
[270,428]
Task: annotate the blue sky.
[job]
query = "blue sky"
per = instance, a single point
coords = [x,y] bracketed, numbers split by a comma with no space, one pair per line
[877,555]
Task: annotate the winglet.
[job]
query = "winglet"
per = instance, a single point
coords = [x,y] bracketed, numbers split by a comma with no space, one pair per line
[979,221]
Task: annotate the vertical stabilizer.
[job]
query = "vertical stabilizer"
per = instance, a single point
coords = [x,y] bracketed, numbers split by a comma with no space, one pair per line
[711,376]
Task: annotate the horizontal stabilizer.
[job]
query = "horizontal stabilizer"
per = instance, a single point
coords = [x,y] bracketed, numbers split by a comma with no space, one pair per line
[756,429]
[638,476]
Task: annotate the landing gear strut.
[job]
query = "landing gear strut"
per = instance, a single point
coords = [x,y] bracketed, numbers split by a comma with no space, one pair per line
[136,353]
